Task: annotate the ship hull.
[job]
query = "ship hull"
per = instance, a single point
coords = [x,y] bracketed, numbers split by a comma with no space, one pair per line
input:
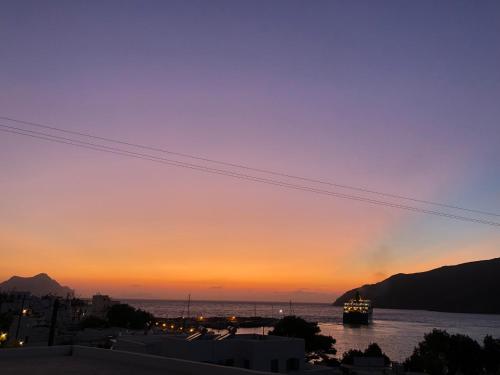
[356,318]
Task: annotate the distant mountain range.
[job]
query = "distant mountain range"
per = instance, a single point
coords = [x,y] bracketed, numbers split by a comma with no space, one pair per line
[469,288]
[38,285]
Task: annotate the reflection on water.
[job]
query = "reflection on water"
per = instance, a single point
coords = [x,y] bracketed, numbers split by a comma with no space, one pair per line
[396,331]
[397,339]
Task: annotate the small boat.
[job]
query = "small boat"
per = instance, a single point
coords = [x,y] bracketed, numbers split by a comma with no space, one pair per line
[357,311]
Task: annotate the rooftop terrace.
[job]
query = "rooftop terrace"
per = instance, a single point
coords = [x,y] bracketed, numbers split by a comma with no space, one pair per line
[79,360]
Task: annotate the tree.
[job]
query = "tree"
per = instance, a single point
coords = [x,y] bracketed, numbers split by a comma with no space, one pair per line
[293,326]
[373,350]
[6,317]
[123,315]
[93,322]
[491,355]
[430,355]
[442,353]
[5,321]
[465,356]
[348,357]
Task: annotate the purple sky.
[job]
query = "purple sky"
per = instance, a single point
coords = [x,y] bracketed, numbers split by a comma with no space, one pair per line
[401,97]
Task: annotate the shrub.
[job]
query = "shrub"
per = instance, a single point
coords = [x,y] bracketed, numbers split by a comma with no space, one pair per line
[293,326]
[123,315]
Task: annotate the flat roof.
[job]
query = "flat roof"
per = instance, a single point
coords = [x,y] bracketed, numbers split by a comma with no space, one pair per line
[81,360]
[71,366]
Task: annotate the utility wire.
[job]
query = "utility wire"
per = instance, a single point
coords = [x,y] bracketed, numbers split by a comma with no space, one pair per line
[122,152]
[267,171]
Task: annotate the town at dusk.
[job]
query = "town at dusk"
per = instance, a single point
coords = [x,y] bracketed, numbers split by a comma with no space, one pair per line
[202,180]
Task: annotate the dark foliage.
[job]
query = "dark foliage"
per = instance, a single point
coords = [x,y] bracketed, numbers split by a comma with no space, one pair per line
[93,322]
[5,321]
[442,353]
[373,350]
[293,326]
[123,315]
[78,302]
[348,357]
[491,355]
[329,361]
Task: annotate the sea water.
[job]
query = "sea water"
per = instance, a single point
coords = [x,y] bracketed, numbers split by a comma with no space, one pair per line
[396,331]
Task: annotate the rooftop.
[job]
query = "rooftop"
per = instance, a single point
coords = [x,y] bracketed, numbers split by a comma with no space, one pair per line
[79,360]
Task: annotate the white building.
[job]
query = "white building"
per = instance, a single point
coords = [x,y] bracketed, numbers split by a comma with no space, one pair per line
[256,352]
[100,305]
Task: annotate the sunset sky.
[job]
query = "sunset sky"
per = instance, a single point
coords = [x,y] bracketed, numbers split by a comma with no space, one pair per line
[392,96]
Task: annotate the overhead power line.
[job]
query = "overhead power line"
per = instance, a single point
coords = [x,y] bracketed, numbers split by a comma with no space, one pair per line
[176,163]
[246,167]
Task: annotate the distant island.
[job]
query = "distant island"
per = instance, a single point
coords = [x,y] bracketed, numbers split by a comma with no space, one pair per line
[468,288]
[38,285]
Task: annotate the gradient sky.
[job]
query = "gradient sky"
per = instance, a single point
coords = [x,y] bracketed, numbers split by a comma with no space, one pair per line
[396,96]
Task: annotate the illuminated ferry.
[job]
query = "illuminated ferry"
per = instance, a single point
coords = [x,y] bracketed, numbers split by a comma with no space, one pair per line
[358,311]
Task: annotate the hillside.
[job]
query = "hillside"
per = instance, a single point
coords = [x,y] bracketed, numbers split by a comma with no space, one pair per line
[38,285]
[468,288]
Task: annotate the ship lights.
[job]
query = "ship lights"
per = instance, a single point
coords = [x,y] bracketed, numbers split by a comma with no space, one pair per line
[362,306]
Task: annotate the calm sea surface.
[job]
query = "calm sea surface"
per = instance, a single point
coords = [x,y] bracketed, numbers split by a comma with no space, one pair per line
[396,331]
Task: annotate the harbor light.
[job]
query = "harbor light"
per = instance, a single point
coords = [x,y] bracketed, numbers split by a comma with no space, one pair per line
[3,336]
[172,326]
[21,342]
[164,325]
[25,311]
[191,330]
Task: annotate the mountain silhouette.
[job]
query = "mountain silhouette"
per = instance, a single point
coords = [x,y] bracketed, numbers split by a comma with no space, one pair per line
[467,288]
[38,285]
